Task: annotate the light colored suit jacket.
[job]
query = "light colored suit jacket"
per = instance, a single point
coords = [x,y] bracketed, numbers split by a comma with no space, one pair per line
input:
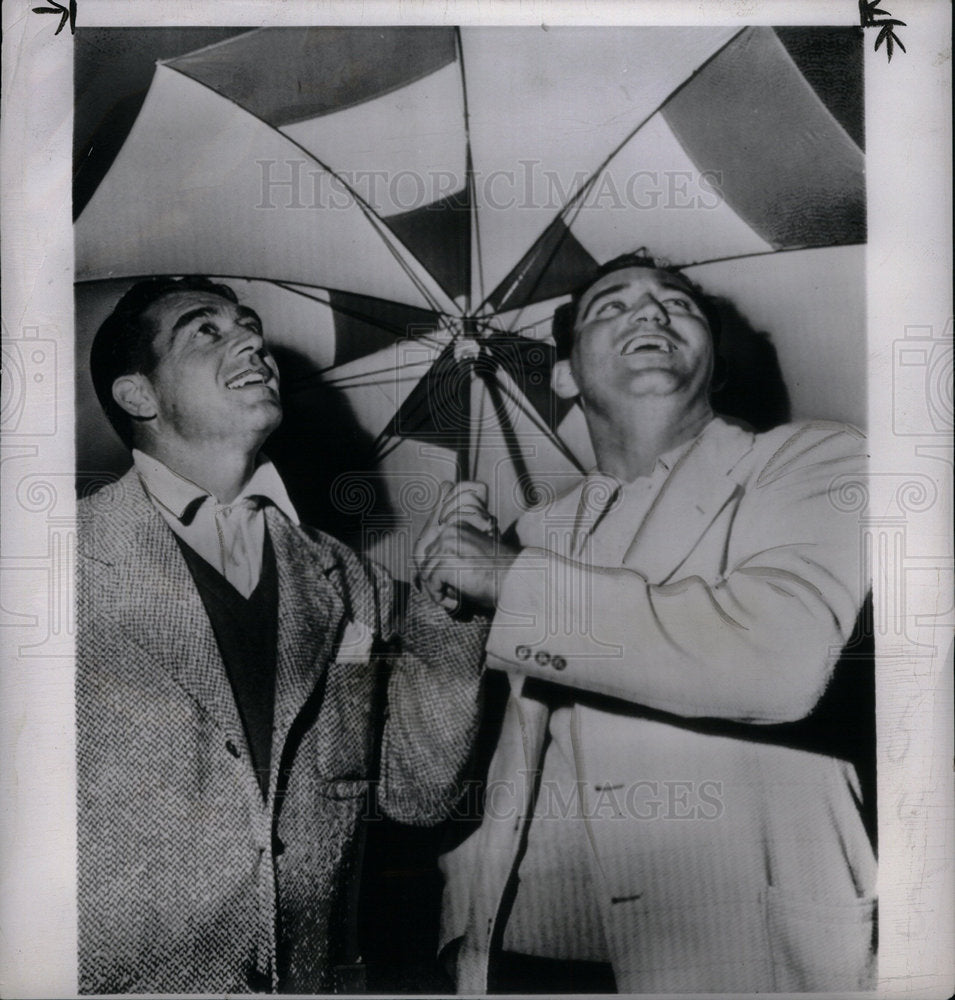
[188,880]
[723,860]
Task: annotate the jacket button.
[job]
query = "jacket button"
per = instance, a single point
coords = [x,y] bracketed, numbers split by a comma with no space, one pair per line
[232,748]
[522,652]
[542,657]
[558,663]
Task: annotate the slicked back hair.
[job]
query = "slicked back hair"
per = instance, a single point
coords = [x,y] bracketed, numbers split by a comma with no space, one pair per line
[123,345]
[565,317]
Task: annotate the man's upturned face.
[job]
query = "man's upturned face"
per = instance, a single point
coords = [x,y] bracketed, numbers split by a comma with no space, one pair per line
[215,379]
[640,332]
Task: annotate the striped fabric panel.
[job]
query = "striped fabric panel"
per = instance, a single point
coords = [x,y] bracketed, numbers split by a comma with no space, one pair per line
[287,75]
[404,153]
[649,195]
[364,325]
[786,165]
[382,107]
[548,107]
[378,384]
[439,235]
[400,150]
[693,184]
[190,208]
[831,59]
[653,195]
[555,264]
[533,321]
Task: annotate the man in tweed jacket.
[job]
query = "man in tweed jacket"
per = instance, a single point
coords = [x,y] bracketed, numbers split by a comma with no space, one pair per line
[224,770]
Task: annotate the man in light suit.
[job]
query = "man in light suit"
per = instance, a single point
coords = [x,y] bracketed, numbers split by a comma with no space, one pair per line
[653,821]
[248,690]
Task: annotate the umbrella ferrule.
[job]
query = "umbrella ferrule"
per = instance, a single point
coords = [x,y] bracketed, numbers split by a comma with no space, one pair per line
[466,348]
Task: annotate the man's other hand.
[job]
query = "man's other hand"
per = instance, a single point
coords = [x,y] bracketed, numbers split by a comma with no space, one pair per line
[459,554]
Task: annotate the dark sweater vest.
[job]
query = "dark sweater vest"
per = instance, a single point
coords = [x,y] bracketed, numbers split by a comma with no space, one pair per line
[246,630]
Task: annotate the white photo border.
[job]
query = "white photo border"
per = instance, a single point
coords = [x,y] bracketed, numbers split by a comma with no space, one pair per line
[908,149]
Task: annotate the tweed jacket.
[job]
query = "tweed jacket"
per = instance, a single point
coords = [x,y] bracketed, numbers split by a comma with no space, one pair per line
[724,857]
[190,881]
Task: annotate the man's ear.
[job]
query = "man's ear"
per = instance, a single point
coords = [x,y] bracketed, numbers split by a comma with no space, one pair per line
[135,395]
[562,380]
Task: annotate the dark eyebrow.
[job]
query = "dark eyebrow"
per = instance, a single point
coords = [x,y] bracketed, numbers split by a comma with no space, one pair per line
[672,285]
[675,286]
[607,291]
[193,314]
[243,313]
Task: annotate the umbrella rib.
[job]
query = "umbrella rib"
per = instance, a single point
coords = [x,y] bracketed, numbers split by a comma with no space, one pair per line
[386,443]
[469,172]
[208,48]
[577,199]
[676,90]
[297,289]
[352,381]
[371,320]
[398,366]
[344,310]
[494,387]
[528,410]
[370,214]
[365,379]
[770,253]
[364,317]
[434,342]
[519,332]
[476,428]
[414,421]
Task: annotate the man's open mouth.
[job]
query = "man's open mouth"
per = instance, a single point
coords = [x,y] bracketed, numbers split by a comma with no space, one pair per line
[250,376]
[650,343]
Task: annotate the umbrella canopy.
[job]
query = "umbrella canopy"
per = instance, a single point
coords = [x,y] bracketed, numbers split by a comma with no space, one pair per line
[414,202]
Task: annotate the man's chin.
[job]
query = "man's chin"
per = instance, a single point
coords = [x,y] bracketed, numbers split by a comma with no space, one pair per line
[274,423]
[267,418]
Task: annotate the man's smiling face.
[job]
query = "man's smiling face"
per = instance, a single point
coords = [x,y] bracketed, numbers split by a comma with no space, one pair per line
[214,378]
[639,331]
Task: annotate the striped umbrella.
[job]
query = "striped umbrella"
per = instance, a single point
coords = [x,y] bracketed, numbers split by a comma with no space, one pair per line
[407,207]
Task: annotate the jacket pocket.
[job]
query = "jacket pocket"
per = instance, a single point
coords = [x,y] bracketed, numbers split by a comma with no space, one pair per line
[821,946]
[664,946]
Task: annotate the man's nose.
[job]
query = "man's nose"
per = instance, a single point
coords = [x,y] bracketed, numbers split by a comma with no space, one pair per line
[650,310]
[249,340]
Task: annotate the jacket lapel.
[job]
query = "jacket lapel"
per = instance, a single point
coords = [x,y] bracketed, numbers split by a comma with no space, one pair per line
[311,615]
[696,490]
[152,597]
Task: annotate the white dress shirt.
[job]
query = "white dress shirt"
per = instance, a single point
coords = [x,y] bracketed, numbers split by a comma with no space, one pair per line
[228,536]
